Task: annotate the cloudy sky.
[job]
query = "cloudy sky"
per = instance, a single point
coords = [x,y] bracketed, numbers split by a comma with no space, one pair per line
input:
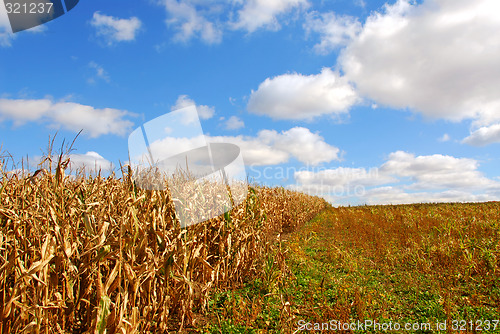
[357,101]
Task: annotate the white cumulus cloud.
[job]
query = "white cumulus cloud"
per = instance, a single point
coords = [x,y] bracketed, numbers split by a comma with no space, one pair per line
[485,135]
[437,171]
[191,21]
[257,14]
[90,161]
[342,176]
[205,112]
[305,146]
[298,96]
[115,29]
[234,123]
[95,122]
[267,148]
[335,31]
[254,151]
[271,147]
[439,58]
[403,178]
[208,20]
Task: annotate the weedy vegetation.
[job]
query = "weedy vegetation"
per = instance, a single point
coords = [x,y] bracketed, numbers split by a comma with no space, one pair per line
[420,264]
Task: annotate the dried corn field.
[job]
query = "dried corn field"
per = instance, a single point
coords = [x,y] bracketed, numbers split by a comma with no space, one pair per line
[95,254]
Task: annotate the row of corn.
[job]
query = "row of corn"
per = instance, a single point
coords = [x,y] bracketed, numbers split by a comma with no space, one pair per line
[97,254]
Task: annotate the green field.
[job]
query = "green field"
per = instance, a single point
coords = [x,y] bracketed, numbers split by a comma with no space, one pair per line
[375,268]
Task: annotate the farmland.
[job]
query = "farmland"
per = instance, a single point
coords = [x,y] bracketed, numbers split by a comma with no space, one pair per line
[421,265]
[98,254]
[94,254]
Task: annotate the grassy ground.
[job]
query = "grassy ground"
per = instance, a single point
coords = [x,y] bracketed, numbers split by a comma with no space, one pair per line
[433,267]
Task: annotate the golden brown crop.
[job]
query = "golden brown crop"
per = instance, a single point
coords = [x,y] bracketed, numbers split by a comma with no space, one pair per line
[94,254]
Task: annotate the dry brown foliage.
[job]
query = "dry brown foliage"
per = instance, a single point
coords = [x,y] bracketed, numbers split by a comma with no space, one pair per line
[95,254]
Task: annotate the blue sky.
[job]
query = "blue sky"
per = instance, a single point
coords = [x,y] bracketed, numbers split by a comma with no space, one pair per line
[356,101]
